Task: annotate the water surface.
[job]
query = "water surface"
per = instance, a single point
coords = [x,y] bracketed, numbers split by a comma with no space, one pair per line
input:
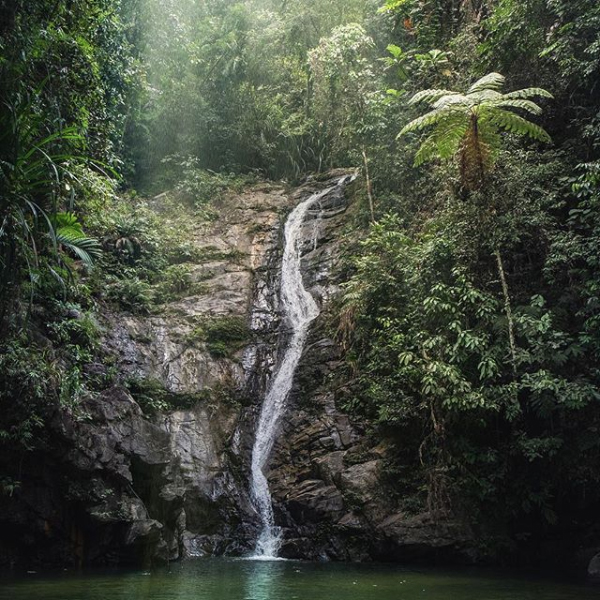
[228,579]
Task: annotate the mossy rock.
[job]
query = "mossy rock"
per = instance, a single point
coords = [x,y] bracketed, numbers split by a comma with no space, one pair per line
[152,397]
[223,336]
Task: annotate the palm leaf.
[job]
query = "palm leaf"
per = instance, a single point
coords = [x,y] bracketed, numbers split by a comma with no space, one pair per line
[37,213]
[69,233]
[87,249]
[66,134]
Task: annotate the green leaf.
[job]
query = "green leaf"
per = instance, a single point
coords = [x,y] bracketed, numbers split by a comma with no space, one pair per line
[431,96]
[515,124]
[491,81]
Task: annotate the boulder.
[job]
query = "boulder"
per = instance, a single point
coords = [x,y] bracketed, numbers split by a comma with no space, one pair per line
[313,500]
[329,467]
[362,479]
[594,567]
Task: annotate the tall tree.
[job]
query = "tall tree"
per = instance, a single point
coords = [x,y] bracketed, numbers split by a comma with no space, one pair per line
[467,127]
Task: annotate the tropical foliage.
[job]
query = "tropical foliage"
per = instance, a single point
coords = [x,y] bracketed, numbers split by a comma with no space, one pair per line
[469,322]
[467,126]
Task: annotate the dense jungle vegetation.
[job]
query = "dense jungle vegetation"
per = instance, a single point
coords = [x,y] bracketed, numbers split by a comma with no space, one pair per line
[470,321]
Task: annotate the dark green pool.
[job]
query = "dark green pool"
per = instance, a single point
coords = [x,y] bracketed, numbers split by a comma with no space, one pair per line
[222,579]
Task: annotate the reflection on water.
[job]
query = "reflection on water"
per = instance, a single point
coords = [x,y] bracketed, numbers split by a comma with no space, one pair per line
[238,579]
[262,581]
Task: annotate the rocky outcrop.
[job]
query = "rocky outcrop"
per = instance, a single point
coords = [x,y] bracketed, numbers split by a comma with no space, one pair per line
[330,491]
[120,485]
[168,479]
[232,250]
[594,567]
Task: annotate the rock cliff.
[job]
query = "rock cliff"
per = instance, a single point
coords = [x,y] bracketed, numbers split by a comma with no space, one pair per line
[118,484]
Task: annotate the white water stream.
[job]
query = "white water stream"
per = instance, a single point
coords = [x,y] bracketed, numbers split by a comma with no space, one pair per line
[299,310]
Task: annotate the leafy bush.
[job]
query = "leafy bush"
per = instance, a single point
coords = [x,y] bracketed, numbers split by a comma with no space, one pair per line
[28,380]
[176,280]
[226,335]
[132,294]
[203,188]
[72,325]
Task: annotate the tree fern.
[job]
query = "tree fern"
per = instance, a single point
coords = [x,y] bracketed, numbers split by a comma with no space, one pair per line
[467,126]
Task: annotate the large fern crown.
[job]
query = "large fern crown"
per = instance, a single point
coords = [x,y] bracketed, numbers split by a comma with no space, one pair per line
[483,96]
[468,125]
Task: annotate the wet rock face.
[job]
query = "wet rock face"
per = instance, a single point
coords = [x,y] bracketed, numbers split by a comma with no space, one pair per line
[160,482]
[121,486]
[243,242]
[327,482]
[330,496]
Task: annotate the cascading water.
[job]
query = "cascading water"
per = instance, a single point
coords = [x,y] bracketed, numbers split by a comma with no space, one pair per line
[299,310]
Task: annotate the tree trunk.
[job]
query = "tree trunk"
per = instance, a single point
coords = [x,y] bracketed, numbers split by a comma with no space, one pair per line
[369,186]
[507,309]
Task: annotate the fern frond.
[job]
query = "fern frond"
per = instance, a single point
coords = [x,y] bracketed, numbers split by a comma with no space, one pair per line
[491,81]
[430,96]
[528,105]
[451,100]
[430,118]
[489,136]
[427,151]
[444,142]
[528,93]
[515,124]
[484,96]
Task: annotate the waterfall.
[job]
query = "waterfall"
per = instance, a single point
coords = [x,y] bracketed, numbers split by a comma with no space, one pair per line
[299,309]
